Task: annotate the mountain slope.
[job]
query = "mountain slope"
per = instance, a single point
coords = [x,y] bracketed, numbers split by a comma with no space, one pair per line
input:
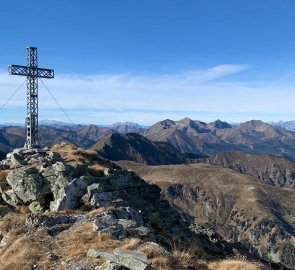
[12,137]
[73,205]
[137,148]
[83,136]
[190,137]
[240,208]
[198,138]
[272,170]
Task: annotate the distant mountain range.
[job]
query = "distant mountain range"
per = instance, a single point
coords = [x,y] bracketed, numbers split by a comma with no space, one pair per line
[47,122]
[191,138]
[289,125]
[196,138]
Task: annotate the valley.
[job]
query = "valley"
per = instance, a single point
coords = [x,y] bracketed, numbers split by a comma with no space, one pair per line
[242,209]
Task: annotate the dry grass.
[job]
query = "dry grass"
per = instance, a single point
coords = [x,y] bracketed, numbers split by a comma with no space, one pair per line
[158,259]
[132,243]
[186,257]
[21,251]
[163,263]
[13,224]
[76,241]
[22,254]
[181,257]
[96,170]
[67,151]
[185,254]
[23,209]
[232,264]
[100,210]
[24,251]
[75,154]
[3,175]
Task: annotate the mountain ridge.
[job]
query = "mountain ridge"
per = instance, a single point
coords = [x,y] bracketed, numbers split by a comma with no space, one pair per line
[133,146]
[270,169]
[192,138]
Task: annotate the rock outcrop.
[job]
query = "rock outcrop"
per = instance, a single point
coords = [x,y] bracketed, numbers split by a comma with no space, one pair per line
[77,195]
[132,260]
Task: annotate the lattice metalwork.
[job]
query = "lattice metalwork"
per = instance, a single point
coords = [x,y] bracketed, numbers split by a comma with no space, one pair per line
[25,71]
[32,72]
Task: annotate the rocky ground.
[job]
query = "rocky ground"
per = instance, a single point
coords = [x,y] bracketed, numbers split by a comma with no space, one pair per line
[67,208]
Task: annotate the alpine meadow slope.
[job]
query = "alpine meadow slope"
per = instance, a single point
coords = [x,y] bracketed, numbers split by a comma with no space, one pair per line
[242,209]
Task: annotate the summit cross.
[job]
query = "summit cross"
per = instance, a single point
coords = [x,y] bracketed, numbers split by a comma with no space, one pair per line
[32,72]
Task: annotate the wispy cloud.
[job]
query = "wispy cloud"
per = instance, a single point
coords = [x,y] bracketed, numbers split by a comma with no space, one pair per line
[107,98]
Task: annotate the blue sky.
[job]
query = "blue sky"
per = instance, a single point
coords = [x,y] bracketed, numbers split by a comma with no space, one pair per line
[147,60]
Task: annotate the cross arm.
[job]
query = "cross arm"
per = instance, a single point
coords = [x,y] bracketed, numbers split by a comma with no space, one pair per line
[45,73]
[29,71]
[18,70]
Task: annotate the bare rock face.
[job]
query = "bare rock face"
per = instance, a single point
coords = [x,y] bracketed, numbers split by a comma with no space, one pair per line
[103,198]
[10,197]
[131,260]
[108,224]
[52,181]
[68,196]
[40,178]
[28,184]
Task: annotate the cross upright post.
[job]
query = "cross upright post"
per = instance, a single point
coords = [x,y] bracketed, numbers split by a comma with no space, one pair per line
[32,72]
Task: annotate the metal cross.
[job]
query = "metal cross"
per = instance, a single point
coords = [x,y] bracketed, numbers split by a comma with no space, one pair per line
[32,72]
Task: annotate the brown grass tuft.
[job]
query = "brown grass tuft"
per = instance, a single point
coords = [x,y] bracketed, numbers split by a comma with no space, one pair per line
[158,259]
[181,257]
[96,170]
[3,175]
[76,241]
[184,254]
[232,264]
[74,154]
[14,225]
[163,263]
[100,210]
[23,209]
[23,254]
[130,244]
